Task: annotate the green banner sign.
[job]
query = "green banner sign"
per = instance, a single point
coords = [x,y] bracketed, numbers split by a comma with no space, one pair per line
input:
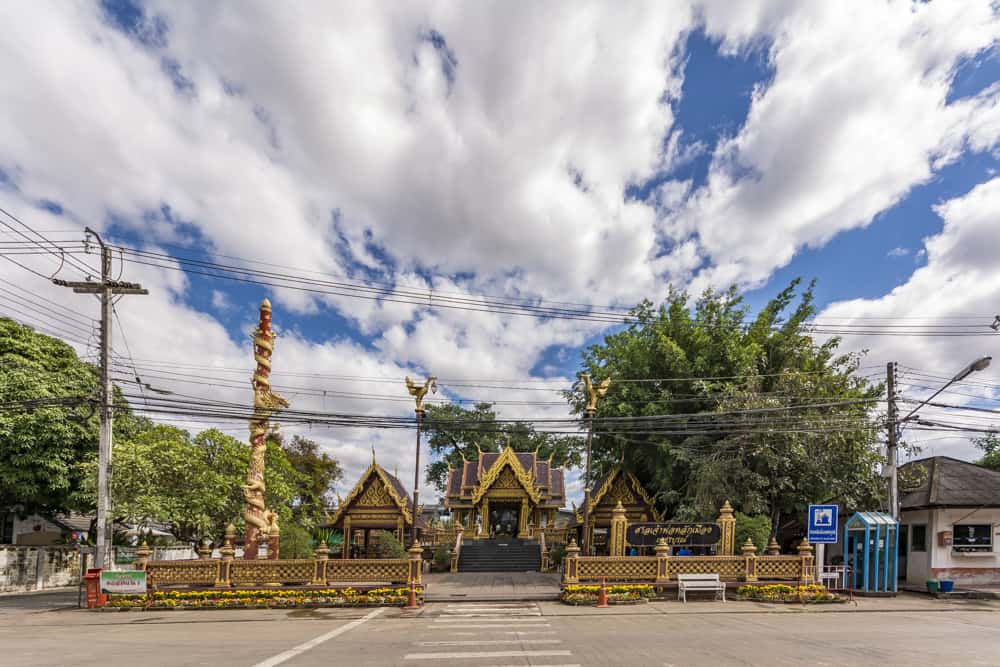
[128,582]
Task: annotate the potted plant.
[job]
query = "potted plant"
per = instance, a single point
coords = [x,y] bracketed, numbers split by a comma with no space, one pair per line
[932,586]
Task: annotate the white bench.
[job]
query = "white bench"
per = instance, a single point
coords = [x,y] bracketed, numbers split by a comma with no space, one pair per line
[699,582]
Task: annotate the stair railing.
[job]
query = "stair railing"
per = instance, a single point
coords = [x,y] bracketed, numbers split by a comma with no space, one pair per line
[544,553]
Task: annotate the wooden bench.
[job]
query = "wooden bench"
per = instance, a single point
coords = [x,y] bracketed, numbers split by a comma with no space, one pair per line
[699,582]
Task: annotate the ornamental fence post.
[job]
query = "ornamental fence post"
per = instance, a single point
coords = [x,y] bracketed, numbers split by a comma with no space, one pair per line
[662,561]
[571,571]
[806,557]
[416,561]
[322,555]
[226,554]
[142,556]
[749,561]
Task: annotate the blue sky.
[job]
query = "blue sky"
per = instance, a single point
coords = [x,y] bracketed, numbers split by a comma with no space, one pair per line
[579,153]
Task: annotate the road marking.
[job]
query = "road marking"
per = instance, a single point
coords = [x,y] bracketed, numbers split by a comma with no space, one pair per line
[451,625]
[480,619]
[470,655]
[489,642]
[312,643]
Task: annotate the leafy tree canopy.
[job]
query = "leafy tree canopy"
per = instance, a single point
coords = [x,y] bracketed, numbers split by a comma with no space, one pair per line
[775,445]
[318,471]
[990,444]
[455,432]
[41,448]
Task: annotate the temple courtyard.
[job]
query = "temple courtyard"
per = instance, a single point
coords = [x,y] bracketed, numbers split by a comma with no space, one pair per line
[48,629]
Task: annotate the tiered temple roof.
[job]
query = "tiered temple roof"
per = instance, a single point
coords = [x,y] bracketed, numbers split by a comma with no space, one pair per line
[543,482]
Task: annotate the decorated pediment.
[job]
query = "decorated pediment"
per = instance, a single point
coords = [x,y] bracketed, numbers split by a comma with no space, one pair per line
[623,487]
[506,473]
[374,489]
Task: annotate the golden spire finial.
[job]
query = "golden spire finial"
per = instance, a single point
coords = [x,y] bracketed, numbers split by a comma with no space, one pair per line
[265,304]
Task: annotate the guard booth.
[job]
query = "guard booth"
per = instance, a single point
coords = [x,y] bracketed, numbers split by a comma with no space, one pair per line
[871,541]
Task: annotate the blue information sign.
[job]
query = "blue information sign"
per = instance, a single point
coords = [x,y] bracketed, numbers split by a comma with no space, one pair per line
[822,524]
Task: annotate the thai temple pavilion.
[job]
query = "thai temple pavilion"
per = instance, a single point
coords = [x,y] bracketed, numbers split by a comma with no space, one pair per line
[505,494]
[618,485]
[378,502]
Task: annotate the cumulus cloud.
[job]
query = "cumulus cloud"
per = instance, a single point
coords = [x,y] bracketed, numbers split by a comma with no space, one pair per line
[463,149]
[957,286]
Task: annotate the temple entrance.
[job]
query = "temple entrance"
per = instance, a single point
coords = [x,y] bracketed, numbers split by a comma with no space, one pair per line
[504,519]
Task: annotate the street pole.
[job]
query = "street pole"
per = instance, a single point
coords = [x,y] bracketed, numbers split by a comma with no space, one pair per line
[418,392]
[105,289]
[894,422]
[593,392]
[892,442]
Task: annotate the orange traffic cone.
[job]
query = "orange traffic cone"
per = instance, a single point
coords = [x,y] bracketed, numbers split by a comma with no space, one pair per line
[602,596]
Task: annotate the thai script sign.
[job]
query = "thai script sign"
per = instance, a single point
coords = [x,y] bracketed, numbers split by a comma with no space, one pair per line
[675,534]
[124,581]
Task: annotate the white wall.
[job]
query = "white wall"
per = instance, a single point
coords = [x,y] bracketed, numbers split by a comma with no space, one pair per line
[941,562]
[36,568]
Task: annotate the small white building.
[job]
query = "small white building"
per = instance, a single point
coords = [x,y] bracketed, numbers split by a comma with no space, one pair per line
[950,522]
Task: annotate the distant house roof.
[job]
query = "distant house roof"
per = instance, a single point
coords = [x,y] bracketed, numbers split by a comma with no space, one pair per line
[948,482]
[543,482]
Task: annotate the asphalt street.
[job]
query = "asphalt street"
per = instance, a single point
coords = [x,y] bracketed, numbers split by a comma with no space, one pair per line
[48,630]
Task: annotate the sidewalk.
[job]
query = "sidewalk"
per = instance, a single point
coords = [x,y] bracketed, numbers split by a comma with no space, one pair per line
[904,602]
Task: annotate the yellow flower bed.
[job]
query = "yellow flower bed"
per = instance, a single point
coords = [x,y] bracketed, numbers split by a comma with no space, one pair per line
[786,593]
[586,593]
[266,598]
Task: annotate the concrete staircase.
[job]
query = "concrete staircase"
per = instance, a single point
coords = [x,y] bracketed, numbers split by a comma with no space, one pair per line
[500,555]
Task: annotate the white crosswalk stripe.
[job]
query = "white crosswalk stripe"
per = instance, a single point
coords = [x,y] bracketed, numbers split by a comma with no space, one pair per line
[494,631]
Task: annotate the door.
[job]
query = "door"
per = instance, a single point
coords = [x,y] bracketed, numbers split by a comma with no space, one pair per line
[904,552]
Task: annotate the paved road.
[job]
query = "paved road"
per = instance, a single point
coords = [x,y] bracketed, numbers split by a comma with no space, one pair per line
[486,634]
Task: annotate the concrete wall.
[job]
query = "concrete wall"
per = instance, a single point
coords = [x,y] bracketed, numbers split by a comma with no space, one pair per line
[941,562]
[36,568]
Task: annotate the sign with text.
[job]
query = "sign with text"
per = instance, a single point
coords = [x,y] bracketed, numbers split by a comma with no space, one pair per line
[822,524]
[675,534]
[129,582]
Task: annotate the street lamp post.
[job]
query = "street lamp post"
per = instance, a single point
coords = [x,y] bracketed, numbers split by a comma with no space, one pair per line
[593,394]
[894,423]
[418,392]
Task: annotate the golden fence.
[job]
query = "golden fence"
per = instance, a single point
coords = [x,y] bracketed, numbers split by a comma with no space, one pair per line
[320,571]
[662,568]
[637,568]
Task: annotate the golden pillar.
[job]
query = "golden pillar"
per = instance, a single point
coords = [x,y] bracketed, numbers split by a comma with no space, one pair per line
[727,528]
[265,403]
[619,524]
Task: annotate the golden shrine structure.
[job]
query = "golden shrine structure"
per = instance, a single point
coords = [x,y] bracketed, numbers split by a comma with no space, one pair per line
[378,502]
[505,494]
[618,486]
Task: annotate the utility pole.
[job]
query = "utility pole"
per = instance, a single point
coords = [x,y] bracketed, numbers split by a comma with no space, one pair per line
[893,440]
[418,393]
[593,394]
[105,289]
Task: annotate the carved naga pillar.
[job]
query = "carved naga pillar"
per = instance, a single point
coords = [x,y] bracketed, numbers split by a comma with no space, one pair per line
[265,403]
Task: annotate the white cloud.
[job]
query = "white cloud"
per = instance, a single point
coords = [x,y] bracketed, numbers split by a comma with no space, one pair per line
[854,118]
[898,252]
[958,287]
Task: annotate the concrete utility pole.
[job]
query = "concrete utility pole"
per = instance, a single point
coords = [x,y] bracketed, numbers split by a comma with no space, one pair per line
[892,442]
[593,394]
[106,289]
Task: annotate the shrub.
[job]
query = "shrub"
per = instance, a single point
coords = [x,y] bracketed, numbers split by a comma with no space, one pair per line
[442,557]
[295,543]
[557,553]
[389,546]
[757,528]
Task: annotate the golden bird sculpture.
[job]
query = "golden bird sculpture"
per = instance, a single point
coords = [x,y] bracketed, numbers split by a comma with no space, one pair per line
[418,392]
[594,392]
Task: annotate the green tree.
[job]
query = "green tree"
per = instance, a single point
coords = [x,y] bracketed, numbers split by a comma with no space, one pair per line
[454,432]
[990,444]
[755,411]
[165,475]
[49,423]
[318,473]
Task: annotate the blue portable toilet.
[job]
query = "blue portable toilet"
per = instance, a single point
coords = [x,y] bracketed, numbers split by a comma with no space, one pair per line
[871,544]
